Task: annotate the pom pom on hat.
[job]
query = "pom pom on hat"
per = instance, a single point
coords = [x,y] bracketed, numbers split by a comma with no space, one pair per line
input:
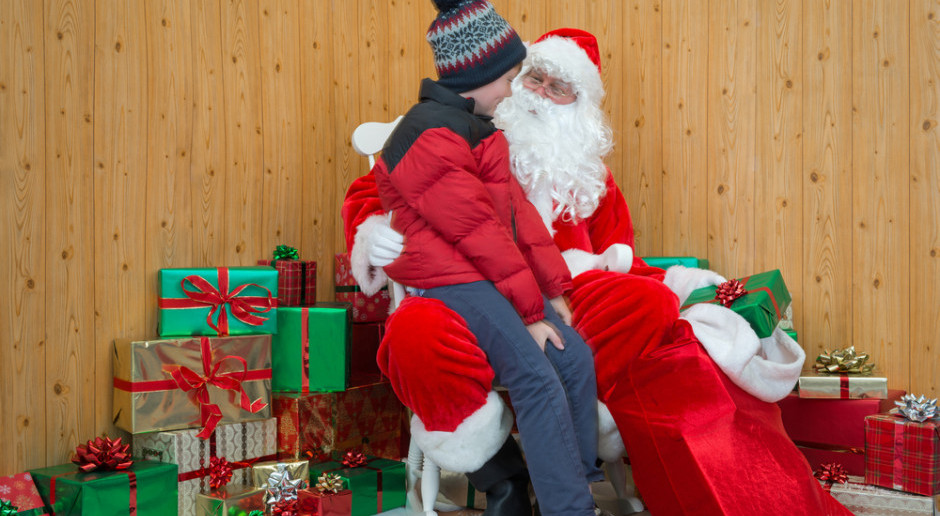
[473,45]
[437,370]
[447,5]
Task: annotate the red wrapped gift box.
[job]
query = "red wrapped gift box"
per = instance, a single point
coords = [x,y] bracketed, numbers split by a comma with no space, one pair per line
[366,417]
[902,454]
[365,340]
[832,430]
[296,281]
[364,308]
[20,490]
[311,502]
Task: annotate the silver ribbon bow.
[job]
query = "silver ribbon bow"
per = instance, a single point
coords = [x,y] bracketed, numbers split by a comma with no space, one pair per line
[917,409]
[282,486]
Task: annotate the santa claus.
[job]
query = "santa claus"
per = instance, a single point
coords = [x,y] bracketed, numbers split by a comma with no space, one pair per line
[691,394]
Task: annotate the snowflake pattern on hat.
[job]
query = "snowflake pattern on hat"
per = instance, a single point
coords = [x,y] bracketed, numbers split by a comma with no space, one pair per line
[473,45]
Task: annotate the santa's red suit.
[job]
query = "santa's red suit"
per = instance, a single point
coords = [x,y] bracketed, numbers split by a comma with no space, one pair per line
[698,442]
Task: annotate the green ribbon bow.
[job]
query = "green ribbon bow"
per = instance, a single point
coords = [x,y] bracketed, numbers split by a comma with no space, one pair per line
[286,252]
[7,508]
[236,511]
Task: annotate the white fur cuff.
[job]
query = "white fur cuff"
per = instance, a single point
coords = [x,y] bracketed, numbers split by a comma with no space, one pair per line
[683,280]
[618,258]
[581,261]
[370,279]
[766,368]
[474,441]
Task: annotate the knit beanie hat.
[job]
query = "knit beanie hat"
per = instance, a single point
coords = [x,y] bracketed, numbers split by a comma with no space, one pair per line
[571,55]
[473,45]
[437,370]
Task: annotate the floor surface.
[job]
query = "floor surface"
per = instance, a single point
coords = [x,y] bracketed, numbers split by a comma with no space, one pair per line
[603,494]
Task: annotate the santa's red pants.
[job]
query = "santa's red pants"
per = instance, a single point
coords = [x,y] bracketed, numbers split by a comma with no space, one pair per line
[697,443]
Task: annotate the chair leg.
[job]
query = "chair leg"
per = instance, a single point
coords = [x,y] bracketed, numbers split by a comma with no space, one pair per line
[626,502]
[413,471]
[430,485]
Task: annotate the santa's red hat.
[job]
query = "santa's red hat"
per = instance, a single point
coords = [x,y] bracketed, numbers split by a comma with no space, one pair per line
[571,55]
[438,371]
[582,38]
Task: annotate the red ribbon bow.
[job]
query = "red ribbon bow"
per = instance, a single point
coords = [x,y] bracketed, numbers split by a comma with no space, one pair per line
[102,454]
[243,308]
[728,291]
[354,459]
[210,413]
[220,472]
[285,508]
[831,473]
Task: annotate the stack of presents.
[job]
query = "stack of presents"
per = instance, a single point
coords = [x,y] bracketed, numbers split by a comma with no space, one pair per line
[254,400]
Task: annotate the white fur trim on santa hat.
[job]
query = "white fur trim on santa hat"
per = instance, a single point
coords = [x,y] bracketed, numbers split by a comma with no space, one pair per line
[370,279]
[683,280]
[562,58]
[579,261]
[766,368]
[474,441]
[610,446]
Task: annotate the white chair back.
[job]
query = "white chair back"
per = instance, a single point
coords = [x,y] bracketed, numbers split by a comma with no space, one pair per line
[368,139]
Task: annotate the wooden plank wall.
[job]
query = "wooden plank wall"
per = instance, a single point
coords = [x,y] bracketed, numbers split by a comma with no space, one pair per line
[136,135]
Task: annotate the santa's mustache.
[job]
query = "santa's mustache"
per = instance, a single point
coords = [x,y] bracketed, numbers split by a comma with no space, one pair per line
[524,100]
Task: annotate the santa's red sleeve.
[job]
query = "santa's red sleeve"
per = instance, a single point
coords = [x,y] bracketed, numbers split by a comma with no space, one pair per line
[611,224]
[361,202]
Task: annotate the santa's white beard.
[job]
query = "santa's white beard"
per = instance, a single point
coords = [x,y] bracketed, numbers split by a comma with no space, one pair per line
[556,152]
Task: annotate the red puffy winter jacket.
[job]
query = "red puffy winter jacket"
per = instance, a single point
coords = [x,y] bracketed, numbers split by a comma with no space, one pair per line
[444,173]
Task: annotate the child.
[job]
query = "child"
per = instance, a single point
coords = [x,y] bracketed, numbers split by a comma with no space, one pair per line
[474,242]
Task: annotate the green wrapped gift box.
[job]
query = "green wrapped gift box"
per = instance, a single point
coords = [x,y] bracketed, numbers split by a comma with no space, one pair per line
[310,352]
[147,486]
[377,486]
[766,300]
[664,262]
[217,301]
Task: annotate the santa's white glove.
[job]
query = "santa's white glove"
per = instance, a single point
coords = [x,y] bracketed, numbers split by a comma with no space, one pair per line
[617,258]
[683,280]
[375,246]
[385,245]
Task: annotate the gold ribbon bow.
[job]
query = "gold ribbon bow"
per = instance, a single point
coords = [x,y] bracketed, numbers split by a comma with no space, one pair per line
[844,361]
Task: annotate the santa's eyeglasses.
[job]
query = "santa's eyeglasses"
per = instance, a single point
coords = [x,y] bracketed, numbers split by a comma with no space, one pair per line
[555,89]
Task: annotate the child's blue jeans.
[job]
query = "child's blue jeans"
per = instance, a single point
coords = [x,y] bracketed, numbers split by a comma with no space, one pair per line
[553,393]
